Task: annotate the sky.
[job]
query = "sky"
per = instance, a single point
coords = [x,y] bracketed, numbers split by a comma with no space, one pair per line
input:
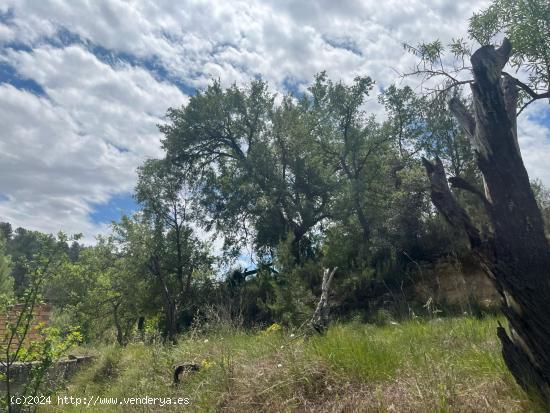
[84,84]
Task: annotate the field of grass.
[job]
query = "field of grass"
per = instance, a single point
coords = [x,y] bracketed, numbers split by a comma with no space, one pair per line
[448,365]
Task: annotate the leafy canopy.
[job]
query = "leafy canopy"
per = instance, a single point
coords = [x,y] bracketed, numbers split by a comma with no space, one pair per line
[526,23]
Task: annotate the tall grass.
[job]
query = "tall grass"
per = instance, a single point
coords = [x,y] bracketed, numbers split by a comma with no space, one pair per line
[418,366]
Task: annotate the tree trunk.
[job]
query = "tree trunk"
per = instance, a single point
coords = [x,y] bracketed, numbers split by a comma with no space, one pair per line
[169,303]
[319,321]
[170,321]
[362,217]
[141,327]
[516,256]
[119,333]
[296,247]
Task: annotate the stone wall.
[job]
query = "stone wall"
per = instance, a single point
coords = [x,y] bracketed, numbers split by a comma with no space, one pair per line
[60,371]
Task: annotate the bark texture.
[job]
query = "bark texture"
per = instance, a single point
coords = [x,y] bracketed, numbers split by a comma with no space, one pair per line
[319,321]
[516,254]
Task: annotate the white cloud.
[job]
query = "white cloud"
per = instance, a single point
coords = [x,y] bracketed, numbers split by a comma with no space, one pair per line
[120,105]
[534,141]
[49,172]
[79,145]
[233,40]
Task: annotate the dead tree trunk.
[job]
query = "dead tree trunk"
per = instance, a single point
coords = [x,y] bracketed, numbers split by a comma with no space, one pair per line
[319,321]
[516,255]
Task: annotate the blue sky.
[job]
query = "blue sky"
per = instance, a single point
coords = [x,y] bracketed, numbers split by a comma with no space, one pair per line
[83,84]
[112,210]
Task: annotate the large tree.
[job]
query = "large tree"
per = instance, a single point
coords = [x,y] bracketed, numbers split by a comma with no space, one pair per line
[351,142]
[162,239]
[255,171]
[515,252]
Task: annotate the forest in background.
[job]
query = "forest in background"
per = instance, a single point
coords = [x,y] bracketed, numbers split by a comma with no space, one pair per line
[307,183]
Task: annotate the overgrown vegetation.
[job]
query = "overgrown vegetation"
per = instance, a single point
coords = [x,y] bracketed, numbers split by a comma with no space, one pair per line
[25,339]
[438,365]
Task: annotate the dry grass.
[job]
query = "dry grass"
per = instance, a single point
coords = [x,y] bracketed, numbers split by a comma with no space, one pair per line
[451,365]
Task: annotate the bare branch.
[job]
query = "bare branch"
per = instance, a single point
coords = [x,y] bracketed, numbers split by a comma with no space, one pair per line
[458,182]
[455,84]
[320,319]
[527,89]
[446,203]
[525,106]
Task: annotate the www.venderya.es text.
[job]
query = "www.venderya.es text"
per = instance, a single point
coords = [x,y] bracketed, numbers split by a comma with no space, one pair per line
[90,401]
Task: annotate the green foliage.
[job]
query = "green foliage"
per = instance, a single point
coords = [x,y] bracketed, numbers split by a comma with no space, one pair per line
[429,52]
[378,221]
[256,172]
[24,245]
[293,302]
[46,261]
[307,182]
[526,23]
[450,365]
[405,125]
[6,280]
[168,261]
[356,148]
[542,195]
[98,291]
[446,139]
[45,352]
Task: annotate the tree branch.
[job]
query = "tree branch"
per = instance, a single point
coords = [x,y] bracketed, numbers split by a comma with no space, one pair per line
[446,203]
[527,89]
[534,95]
[458,182]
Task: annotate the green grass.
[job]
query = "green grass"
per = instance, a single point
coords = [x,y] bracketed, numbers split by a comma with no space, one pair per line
[438,366]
